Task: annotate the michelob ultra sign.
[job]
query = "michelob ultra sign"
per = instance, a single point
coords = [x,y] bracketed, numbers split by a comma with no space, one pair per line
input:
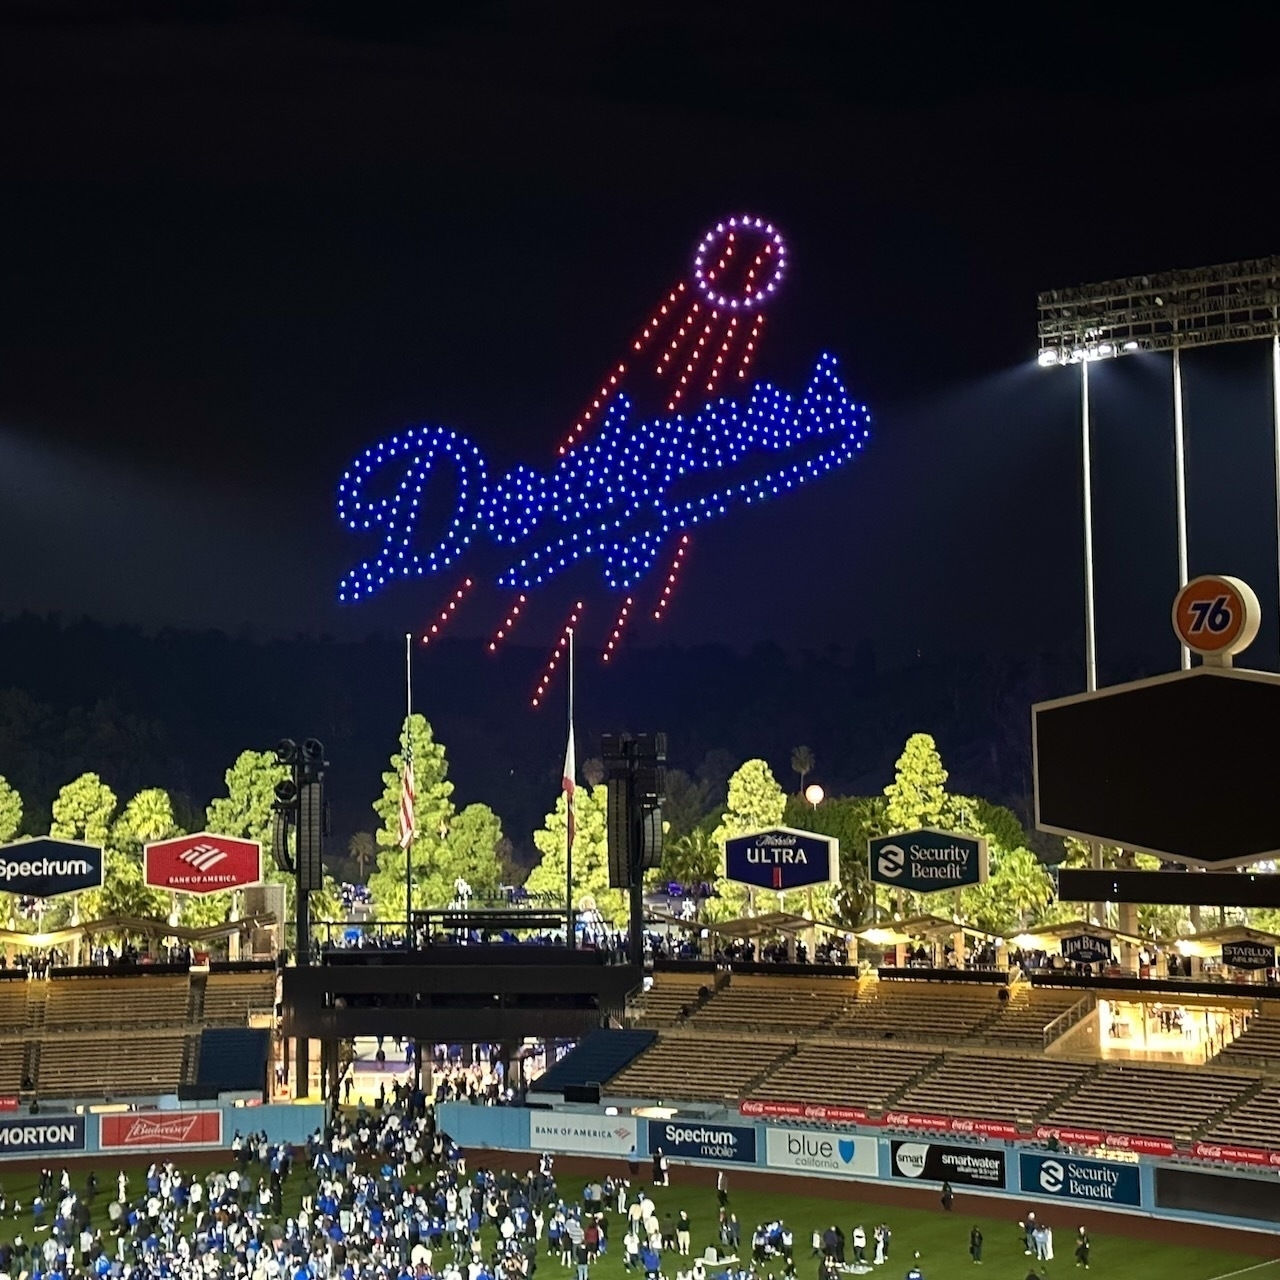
[782,858]
[927,860]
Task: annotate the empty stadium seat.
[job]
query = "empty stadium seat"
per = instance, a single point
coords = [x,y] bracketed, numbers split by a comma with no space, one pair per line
[110,1066]
[1254,1122]
[844,1074]
[785,1004]
[601,1055]
[135,1001]
[924,1011]
[1260,1039]
[984,1085]
[229,998]
[693,1066]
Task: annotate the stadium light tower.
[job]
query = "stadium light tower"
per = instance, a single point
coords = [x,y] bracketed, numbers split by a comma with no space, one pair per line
[1171,311]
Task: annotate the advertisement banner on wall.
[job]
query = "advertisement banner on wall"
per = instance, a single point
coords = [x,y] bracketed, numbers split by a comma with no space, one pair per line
[31,1135]
[590,1135]
[1101,1181]
[687,1140]
[782,858]
[825,1153]
[135,1131]
[202,863]
[939,1162]
[927,860]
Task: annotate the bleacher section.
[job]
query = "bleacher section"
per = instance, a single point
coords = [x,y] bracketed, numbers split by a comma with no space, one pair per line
[601,1055]
[789,1005]
[96,1064]
[229,998]
[13,1006]
[1149,1099]
[12,1056]
[968,1084]
[87,1003]
[699,1066]
[1021,1022]
[1254,1123]
[661,1005]
[853,1075]
[233,1058]
[920,1011]
[1260,1039]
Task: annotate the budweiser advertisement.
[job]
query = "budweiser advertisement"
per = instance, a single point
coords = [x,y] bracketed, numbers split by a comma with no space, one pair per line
[202,863]
[141,1131]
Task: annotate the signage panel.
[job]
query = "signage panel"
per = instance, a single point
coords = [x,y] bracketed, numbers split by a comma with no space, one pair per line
[782,858]
[144,1130]
[927,860]
[202,863]
[1086,948]
[44,867]
[698,1140]
[940,1162]
[1099,1181]
[36,1134]
[588,1134]
[1248,955]
[812,1151]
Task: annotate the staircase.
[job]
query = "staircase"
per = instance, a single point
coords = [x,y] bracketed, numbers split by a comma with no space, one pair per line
[195,998]
[1063,1094]
[1218,1116]
[770,1067]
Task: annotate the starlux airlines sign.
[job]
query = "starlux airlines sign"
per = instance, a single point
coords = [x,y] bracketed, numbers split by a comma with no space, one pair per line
[927,860]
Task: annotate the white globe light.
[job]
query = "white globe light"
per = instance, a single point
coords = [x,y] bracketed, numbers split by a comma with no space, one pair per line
[814,794]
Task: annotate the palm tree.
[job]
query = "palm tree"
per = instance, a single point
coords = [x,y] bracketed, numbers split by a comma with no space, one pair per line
[362,849]
[802,763]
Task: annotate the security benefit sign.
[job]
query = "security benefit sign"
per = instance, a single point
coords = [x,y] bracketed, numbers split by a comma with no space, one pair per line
[927,860]
[1102,1181]
[1086,948]
[812,1151]
[782,859]
[692,1140]
[1248,955]
[32,1135]
[202,863]
[46,868]
[941,1162]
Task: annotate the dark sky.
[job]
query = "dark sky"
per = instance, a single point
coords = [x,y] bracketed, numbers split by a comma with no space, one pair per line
[241,241]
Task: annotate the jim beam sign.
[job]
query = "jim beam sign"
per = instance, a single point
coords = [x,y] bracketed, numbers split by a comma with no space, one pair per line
[927,860]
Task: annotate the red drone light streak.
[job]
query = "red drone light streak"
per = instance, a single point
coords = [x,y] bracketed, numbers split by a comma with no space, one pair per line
[665,598]
[616,634]
[447,612]
[505,630]
[556,654]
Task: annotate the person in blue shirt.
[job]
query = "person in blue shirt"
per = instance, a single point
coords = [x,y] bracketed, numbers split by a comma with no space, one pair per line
[915,1273]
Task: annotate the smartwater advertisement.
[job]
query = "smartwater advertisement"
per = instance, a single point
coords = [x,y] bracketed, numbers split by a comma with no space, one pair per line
[690,1140]
[827,1153]
[940,1162]
[1102,1181]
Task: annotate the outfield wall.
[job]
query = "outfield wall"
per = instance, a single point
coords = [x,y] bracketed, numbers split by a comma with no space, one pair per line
[1141,1184]
[185,1127]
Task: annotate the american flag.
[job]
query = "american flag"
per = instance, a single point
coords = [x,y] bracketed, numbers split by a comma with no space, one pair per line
[408,800]
[570,768]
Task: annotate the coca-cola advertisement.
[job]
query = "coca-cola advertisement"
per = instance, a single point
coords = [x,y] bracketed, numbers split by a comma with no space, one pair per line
[140,1130]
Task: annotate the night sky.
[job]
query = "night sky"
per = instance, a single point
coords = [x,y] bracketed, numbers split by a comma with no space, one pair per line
[245,241]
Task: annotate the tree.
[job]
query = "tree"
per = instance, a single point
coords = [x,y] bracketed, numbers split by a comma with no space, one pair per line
[247,810]
[756,801]
[362,849]
[83,810]
[10,811]
[693,858]
[470,853]
[590,855]
[685,803]
[917,795]
[433,813]
[148,816]
[1017,892]
[593,771]
[802,763]
[852,820]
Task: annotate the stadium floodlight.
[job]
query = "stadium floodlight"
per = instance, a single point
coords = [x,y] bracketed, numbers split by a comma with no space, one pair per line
[1170,311]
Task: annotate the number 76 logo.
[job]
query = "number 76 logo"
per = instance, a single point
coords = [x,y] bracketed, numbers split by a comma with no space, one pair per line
[1216,616]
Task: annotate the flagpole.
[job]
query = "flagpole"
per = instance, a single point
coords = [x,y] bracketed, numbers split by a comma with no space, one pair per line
[570,933]
[404,744]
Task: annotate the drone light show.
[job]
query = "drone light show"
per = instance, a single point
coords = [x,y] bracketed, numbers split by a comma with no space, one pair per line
[624,489]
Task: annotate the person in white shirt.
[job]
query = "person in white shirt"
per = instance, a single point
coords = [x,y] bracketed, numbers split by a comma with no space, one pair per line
[859,1245]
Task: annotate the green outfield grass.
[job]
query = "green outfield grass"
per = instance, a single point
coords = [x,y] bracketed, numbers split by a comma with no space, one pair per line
[941,1238]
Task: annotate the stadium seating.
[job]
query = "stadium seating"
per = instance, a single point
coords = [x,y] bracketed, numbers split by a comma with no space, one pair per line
[13,1055]
[1254,1123]
[110,1066]
[1149,1099]
[84,1003]
[983,1085]
[601,1055]
[1021,1022]
[13,1005]
[229,998]
[661,1004]
[851,1075]
[923,1011]
[785,1004]
[1260,1039]
[698,1066]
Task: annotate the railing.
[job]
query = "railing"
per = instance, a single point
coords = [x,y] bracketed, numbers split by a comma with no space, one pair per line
[908,973]
[1068,1018]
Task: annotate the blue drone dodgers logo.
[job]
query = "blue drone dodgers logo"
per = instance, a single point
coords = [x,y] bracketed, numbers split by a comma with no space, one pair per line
[611,498]
[621,489]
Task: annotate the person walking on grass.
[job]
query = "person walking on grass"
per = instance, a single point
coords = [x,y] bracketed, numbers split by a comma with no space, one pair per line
[975,1243]
[947,1196]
